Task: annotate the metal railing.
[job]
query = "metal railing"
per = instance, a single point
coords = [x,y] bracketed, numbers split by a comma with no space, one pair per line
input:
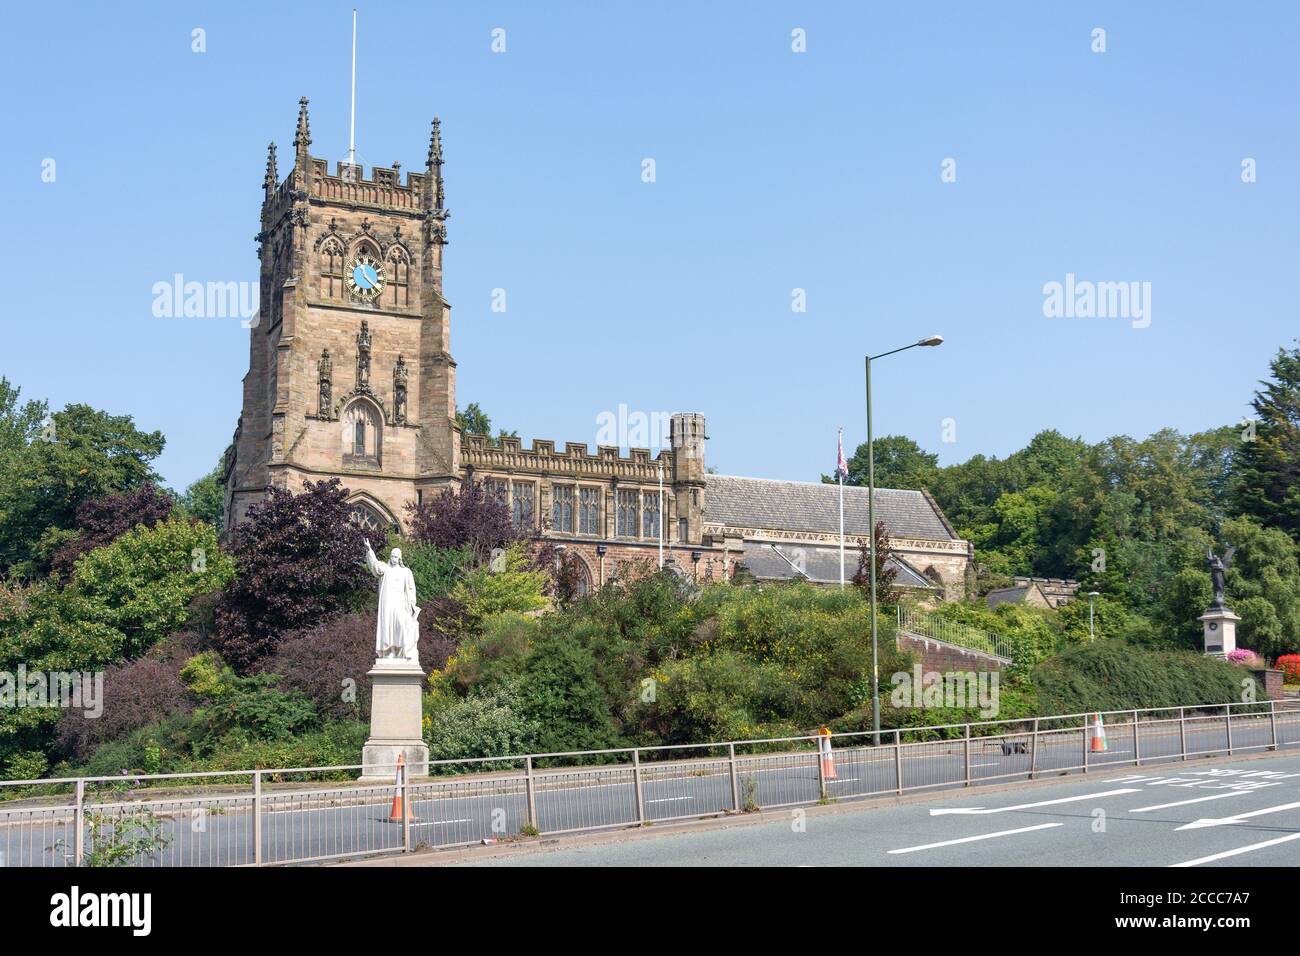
[301,815]
[915,621]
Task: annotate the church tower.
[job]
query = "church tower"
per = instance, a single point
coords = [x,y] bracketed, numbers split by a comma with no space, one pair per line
[350,373]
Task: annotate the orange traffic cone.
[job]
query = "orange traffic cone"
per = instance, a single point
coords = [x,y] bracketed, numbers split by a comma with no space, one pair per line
[395,815]
[1098,735]
[828,758]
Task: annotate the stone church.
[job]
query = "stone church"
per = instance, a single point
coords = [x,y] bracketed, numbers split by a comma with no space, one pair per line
[350,375]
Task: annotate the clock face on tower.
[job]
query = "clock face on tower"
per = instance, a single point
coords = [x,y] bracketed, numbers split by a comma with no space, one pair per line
[366,279]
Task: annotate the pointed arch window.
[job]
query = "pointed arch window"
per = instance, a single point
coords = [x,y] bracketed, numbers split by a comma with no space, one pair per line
[627,513]
[650,515]
[562,508]
[332,266]
[368,518]
[362,434]
[399,278]
[589,510]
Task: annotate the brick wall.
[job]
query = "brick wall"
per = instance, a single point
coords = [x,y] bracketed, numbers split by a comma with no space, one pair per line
[1270,682]
[940,656]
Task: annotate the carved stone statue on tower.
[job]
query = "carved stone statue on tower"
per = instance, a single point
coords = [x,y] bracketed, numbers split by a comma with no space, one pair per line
[325,382]
[363,357]
[399,390]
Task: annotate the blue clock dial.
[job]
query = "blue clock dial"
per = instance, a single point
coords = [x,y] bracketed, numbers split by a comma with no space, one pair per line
[365,276]
[366,279]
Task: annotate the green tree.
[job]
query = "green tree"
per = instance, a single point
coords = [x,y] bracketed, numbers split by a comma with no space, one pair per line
[205,498]
[19,424]
[1263,586]
[472,420]
[513,584]
[899,463]
[1269,461]
[81,454]
[144,581]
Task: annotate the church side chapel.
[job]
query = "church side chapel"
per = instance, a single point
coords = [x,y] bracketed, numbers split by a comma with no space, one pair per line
[350,375]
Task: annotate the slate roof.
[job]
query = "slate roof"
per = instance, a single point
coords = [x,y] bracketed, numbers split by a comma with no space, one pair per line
[814,507]
[1006,596]
[820,564]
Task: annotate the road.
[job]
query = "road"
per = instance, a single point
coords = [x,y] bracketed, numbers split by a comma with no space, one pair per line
[333,821]
[1227,812]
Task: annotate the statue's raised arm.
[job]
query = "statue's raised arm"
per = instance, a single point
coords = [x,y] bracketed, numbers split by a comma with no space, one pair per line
[376,567]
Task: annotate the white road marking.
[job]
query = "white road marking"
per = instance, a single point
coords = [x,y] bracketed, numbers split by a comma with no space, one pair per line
[438,823]
[1182,803]
[1240,850]
[982,836]
[1238,818]
[1026,806]
[667,799]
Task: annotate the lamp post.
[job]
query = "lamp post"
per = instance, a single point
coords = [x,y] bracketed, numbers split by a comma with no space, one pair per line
[930,342]
[1092,631]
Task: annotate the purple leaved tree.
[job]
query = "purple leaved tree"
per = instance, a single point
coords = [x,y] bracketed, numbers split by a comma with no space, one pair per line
[298,560]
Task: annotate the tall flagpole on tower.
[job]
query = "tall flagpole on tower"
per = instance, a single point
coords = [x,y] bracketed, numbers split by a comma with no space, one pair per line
[661,513]
[352,128]
[840,469]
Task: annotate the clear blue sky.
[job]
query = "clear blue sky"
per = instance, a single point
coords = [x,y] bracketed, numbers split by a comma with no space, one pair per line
[775,170]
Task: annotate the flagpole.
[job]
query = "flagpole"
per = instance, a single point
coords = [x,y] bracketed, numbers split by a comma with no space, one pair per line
[661,514]
[352,125]
[839,471]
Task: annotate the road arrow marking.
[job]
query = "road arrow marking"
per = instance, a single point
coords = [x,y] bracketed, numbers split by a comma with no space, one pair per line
[972,839]
[1241,849]
[1239,818]
[1183,803]
[1027,806]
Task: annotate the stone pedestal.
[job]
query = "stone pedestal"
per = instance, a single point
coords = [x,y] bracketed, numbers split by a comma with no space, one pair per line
[1220,626]
[395,722]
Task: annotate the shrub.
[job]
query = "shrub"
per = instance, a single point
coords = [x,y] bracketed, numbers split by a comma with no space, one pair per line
[251,709]
[493,658]
[436,570]
[724,695]
[1244,658]
[136,694]
[1289,664]
[26,765]
[1113,675]
[297,558]
[336,744]
[328,662]
[558,690]
[481,725]
[514,586]
[816,638]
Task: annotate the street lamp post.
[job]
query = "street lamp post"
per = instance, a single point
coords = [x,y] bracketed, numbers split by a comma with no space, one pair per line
[931,341]
[1092,631]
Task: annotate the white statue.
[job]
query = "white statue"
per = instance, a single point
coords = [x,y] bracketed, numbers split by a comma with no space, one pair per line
[397,632]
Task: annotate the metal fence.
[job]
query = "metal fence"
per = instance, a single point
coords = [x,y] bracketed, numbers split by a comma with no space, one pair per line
[304,815]
[915,621]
